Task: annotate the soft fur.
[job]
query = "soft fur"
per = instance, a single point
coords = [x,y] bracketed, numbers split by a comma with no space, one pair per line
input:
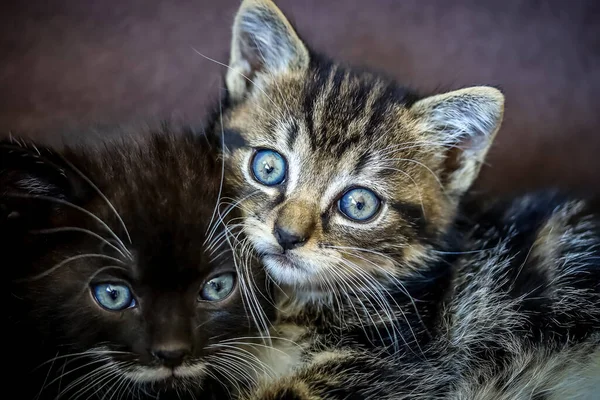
[431,298]
[144,211]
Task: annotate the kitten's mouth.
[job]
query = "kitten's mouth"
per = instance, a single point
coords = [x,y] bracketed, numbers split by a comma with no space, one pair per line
[282,260]
[284,268]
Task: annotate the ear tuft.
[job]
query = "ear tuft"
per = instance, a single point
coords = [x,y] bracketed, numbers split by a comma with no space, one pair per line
[28,174]
[263,45]
[27,169]
[465,122]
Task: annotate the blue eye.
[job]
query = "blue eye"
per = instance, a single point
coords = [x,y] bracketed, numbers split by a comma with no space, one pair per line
[113,296]
[269,167]
[218,287]
[359,204]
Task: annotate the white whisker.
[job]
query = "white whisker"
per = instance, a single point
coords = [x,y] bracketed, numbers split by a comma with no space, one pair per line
[68,260]
[243,76]
[75,207]
[214,213]
[437,179]
[110,205]
[82,230]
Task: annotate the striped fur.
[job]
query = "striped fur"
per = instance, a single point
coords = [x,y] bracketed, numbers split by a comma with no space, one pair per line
[427,299]
[519,317]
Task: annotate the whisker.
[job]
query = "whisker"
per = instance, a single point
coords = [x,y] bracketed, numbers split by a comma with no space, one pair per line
[74,370]
[223,370]
[240,365]
[82,230]
[345,286]
[251,344]
[437,179]
[47,375]
[214,213]
[204,323]
[96,374]
[386,273]
[117,386]
[417,187]
[355,287]
[243,76]
[248,295]
[246,357]
[387,309]
[397,283]
[83,353]
[260,337]
[221,218]
[110,205]
[218,240]
[409,145]
[62,371]
[68,260]
[214,377]
[75,207]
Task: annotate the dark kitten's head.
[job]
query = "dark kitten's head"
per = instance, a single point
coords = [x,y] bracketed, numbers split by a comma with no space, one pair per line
[345,175]
[121,262]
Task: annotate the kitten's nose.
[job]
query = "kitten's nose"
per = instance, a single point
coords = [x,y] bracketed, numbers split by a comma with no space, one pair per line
[295,224]
[288,240]
[171,358]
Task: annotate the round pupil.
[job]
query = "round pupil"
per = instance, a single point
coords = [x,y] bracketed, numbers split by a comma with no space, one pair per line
[358,200]
[217,286]
[268,167]
[113,293]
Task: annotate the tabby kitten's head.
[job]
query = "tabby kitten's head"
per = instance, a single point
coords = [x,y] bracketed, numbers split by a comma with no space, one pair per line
[344,173]
[123,274]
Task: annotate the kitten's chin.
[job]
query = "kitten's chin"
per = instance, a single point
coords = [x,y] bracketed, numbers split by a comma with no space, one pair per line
[286,271]
[168,376]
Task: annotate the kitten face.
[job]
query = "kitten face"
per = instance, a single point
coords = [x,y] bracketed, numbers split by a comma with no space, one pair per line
[331,156]
[154,300]
[345,175]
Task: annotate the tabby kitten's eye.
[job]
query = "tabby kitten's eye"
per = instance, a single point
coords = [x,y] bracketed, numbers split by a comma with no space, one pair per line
[359,204]
[269,167]
[218,287]
[113,296]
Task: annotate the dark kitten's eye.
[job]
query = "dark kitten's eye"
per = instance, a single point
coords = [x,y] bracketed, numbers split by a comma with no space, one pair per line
[113,296]
[268,167]
[218,287]
[359,204]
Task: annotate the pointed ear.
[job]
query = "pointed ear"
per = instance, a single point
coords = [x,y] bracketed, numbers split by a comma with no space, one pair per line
[465,123]
[263,45]
[29,177]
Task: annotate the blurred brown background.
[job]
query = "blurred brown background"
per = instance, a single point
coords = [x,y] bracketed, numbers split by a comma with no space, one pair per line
[67,64]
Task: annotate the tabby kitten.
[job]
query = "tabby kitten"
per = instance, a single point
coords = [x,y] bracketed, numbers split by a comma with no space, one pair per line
[123,281]
[351,188]
[347,181]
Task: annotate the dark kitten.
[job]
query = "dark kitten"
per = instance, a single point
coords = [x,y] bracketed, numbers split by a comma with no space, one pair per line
[123,281]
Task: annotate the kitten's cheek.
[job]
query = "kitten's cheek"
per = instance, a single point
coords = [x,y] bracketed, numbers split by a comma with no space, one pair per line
[140,347]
